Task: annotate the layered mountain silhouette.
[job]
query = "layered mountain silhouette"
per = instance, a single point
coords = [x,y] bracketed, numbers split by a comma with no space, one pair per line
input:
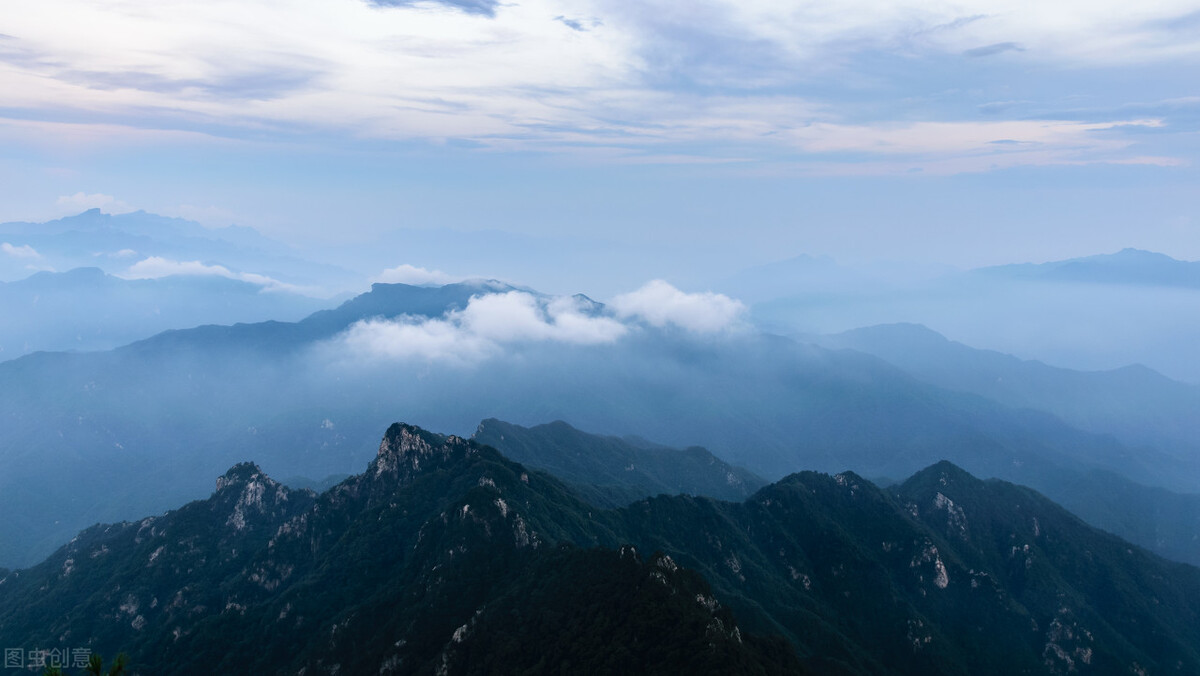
[1139,406]
[1093,313]
[612,472]
[185,404]
[87,309]
[446,557]
[116,241]
[1128,266]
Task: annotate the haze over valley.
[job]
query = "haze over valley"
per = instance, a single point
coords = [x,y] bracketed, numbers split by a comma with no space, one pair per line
[465,337]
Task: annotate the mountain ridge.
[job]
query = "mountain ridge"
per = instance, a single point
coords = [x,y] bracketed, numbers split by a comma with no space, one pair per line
[185,404]
[1127,266]
[945,574]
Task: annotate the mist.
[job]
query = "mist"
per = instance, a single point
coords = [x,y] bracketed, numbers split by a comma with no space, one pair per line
[149,425]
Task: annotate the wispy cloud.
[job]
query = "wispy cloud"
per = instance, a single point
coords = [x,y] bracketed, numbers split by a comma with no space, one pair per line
[576,24]
[723,78]
[993,49]
[157,267]
[965,138]
[484,7]
[23,251]
[411,274]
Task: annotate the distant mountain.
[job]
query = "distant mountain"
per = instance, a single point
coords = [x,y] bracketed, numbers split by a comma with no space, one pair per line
[1135,404]
[114,243]
[446,557]
[276,338]
[1128,266]
[612,472]
[1138,406]
[1091,313]
[185,404]
[87,309]
[140,224]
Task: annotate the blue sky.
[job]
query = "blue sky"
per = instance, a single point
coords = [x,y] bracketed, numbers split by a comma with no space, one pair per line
[702,134]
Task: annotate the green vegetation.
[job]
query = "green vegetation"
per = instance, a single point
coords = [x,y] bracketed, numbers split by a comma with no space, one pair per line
[446,557]
[613,472]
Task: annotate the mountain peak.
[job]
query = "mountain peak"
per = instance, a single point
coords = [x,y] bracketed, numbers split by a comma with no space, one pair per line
[248,498]
[407,450]
[940,475]
[1133,252]
[241,474]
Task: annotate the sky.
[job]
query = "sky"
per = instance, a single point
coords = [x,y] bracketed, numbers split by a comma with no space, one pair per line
[680,139]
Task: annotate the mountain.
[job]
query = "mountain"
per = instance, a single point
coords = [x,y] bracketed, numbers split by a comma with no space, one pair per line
[272,338]
[185,404]
[446,557]
[117,242]
[441,558]
[609,471]
[1092,313]
[1135,404]
[1128,266]
[88,309]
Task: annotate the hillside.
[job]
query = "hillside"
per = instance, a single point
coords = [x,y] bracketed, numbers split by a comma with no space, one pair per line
[446,556]
[610,471]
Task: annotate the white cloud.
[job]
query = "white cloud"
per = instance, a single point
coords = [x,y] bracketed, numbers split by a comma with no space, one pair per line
[518,316]
[660,304]
[23,251]
[405,339]
[482,329]
[410,274]
[156,267]
[82,202]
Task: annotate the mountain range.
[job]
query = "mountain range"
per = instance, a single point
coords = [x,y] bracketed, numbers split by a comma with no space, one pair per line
[1135,404]
[1089,313]
[612,472]
[446,557]
[185,404]
[86,309]
[117,243]
[1128,266]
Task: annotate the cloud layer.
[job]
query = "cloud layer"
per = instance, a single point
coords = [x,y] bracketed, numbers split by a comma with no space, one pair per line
[488,323]
[647,82]
[495,321]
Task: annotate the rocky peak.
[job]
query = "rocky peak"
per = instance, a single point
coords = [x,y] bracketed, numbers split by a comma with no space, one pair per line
[248,494]
[242,474]
[407,450]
